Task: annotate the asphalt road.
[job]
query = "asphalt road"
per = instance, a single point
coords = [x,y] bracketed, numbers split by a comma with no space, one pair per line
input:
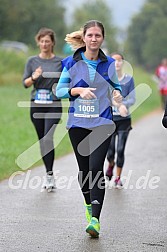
[133,219]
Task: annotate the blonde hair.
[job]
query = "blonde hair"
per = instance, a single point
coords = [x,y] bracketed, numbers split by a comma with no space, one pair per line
[75,39]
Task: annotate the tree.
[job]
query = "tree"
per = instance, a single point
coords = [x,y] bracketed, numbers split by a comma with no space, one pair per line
[146,35]
[137,30]
[161,5]
[155,48]
[21,19]
[96,9]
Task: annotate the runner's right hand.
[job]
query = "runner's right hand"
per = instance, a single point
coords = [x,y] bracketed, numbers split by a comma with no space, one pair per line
[87,93]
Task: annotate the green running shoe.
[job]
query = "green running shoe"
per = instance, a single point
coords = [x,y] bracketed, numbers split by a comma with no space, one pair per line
[88,212]
[93,228]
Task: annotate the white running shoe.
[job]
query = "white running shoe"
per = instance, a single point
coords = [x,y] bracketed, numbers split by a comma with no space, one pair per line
[49,183]
[118,183]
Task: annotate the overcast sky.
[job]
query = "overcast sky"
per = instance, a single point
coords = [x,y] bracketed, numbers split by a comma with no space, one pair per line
[122,10]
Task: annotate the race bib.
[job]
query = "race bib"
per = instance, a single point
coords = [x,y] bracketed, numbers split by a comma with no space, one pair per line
[86,108]
[43,96]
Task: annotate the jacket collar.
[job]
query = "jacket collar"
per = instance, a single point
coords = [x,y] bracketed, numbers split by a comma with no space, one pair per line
[77,54]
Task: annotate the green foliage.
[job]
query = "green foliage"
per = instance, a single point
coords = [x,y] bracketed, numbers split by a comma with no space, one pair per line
[11,65]
[98,10]
[146,37]
[161,6]
[20,20]
[138,28]
[152,51]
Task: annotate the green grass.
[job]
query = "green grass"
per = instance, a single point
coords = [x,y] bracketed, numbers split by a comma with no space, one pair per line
[16,130]
[11,67]
[153,101]
[17,133]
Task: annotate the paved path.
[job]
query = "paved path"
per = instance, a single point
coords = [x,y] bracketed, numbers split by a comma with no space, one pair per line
[133,219]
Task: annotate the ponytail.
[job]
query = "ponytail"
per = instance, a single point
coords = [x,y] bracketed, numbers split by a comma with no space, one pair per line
[75,39]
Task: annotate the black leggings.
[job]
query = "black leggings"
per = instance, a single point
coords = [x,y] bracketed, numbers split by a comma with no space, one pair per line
[90,155]
[45,126]
[122,131]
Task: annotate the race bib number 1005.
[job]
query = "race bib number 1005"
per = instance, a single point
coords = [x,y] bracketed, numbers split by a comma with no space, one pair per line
[86,108]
